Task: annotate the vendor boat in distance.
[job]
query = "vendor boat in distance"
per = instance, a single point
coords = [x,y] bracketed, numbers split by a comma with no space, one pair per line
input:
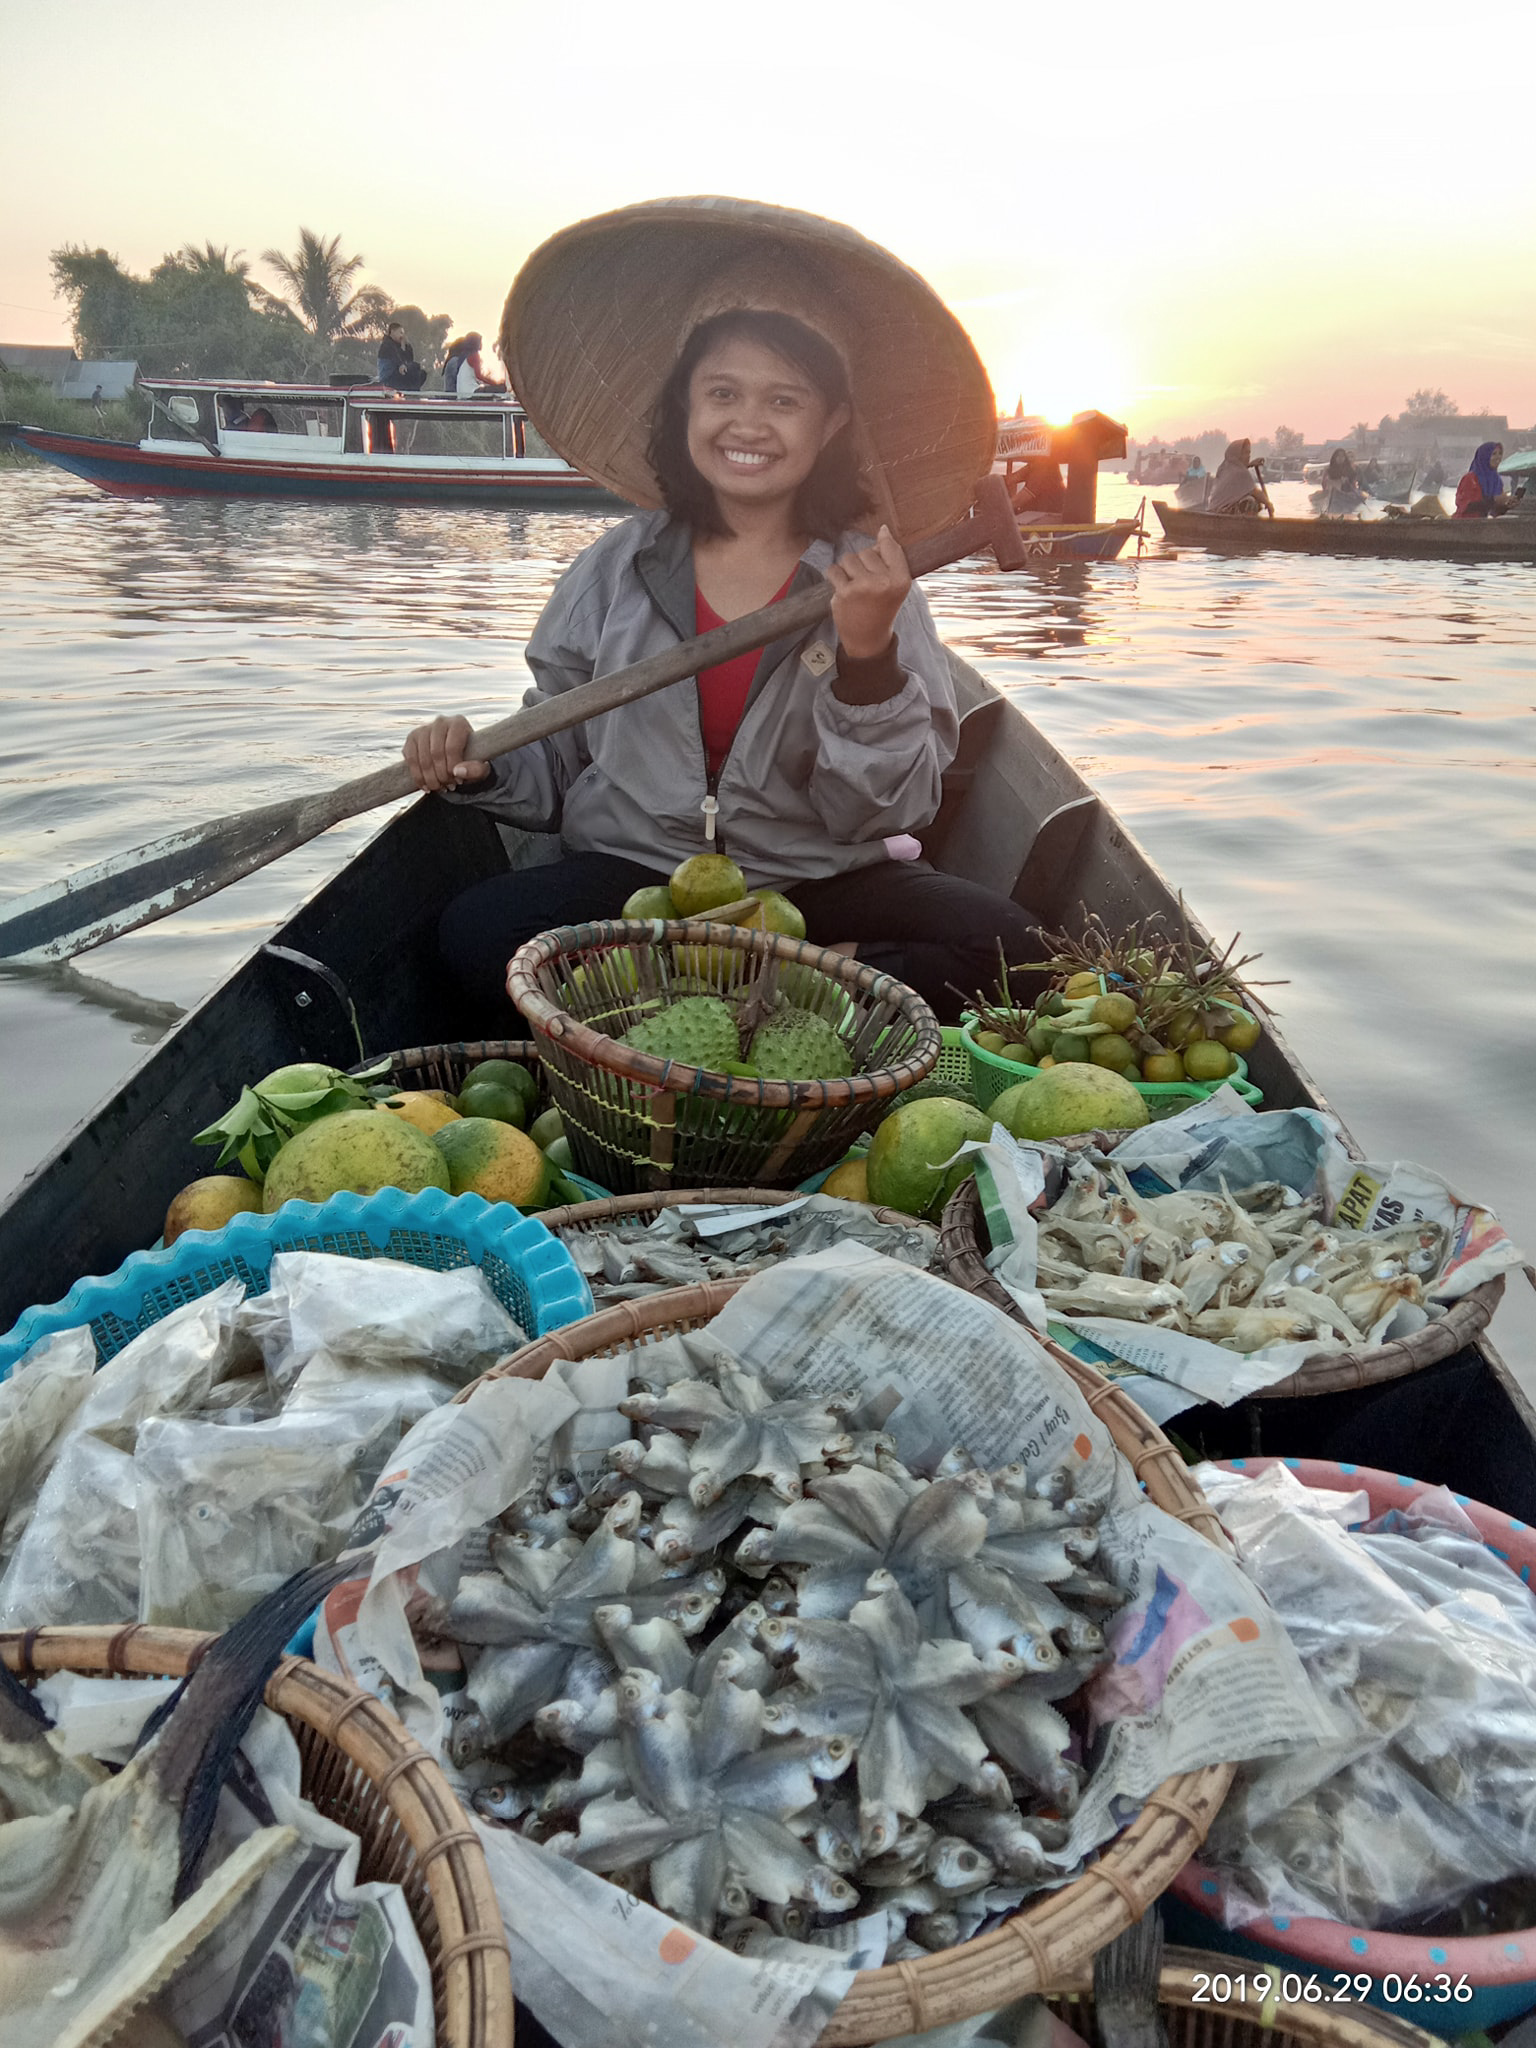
[357,444]
[1026,444]
[1510,539]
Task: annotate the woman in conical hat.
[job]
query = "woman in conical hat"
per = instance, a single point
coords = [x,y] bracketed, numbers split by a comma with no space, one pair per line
[789,402]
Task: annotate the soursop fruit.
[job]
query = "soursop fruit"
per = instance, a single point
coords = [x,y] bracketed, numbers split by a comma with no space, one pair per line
[699,1030]
[797,1045]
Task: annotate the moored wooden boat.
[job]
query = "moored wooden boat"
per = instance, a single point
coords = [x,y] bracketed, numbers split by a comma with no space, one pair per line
[237,438]
[1016,816]
[1511,539]
[1100,542]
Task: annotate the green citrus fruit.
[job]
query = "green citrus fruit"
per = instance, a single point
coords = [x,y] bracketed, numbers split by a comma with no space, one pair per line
[509,1074]
[1019,1054]
[991,1041]
[486,1157]
[210,1203]
[508,1105]
[1057,1103]
[1111,1050]
[704,882]
[654,900]
[1115,1010]
[1242,1034]
[1163,1066]
[778,914]
[909,1158]
[546,1128]
[356,1150]
[848,1181]
[1084,984]
[1070,1047]
[1207,1060]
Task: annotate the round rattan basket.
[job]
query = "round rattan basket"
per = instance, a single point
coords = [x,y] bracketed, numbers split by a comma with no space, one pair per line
[637,1210]
[638,1122]
[358,1767]
[1242,2016]
[444,1066]
[1050,1937]
[962,1249]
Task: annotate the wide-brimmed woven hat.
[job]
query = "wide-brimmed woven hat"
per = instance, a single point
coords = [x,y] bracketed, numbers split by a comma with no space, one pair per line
[599,313]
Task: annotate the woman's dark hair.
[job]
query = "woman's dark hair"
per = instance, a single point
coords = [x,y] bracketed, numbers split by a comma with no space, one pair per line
[831,499]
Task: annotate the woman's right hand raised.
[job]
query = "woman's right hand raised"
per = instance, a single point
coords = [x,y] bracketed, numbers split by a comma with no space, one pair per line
[434,754]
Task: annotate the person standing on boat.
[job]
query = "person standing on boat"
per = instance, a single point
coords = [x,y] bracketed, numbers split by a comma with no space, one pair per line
[398,368]
[1481,493]
[808,763]
[1235,488]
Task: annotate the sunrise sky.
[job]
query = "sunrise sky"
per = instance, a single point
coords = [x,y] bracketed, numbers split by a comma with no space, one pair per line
[1187,214]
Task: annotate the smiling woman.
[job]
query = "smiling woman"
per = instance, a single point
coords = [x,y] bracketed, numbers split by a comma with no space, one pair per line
[768,444]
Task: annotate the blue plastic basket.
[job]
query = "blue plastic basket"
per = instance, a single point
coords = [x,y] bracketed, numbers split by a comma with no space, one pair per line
[530,1271]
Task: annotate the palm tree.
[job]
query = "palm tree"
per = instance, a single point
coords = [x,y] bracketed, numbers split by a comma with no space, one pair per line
[317,282]
[214,259]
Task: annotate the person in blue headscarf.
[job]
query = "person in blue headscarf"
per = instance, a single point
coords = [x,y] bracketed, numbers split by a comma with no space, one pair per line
[1480,494]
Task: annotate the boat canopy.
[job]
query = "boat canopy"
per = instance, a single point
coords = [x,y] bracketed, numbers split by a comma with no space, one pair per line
[1523,464]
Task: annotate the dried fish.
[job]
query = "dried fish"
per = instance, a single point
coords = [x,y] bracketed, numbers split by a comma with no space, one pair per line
[739,1428]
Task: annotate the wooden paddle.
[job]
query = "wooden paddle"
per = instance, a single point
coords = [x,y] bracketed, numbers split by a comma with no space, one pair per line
[103,902]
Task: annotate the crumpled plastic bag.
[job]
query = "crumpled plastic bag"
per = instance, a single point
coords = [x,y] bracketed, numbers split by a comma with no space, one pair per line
[227,1512]
[38,1404]
[79,1559]
[380,1311]
[407,1392]
[1422,1647]
[168,1368]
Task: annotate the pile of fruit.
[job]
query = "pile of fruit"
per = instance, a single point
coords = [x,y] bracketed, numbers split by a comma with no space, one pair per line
[708,884]
[308,1132]
[1136,1005]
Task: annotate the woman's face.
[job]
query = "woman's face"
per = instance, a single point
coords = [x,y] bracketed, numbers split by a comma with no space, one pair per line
[756,423]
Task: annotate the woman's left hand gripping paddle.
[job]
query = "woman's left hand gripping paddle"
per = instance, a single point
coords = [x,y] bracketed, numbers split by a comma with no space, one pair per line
[867,592]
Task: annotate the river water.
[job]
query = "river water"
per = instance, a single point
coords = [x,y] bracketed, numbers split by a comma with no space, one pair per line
[1336,757]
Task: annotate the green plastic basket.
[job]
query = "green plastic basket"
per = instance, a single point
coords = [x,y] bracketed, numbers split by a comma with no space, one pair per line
[989,1076]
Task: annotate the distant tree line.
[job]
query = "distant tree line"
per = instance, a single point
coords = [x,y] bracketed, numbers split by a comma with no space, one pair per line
[201,313]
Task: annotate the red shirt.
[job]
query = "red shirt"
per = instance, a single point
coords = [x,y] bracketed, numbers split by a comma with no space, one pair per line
[723,691]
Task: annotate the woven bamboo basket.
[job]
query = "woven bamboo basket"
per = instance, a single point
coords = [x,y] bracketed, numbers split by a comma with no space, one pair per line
[637,1122]
[444,1066]
[1242,2017]
[962,1247]
[358,1767]
[1041,1944]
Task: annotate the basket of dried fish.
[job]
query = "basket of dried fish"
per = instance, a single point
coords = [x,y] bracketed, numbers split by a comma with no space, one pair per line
[654,1574]
[713,1055]
[635,1245]
[358,1767]
[1102,1288]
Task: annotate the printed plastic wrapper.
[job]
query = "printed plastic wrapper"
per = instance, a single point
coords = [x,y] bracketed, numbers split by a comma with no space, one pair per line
[226,1513]
[309,1955]
[1201,1671]
[79,1559]
[1217,1142]
[1421,1645]
[38,1403]
[169,1368]
[380,1311]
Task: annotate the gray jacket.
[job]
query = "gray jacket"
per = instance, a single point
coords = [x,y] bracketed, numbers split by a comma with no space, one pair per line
[811,786]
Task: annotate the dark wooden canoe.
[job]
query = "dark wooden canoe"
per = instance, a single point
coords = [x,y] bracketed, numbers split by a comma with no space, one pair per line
[1510,539]
[1015,813]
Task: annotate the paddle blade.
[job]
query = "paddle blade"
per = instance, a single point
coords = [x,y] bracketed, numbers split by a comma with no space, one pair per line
[101,903]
